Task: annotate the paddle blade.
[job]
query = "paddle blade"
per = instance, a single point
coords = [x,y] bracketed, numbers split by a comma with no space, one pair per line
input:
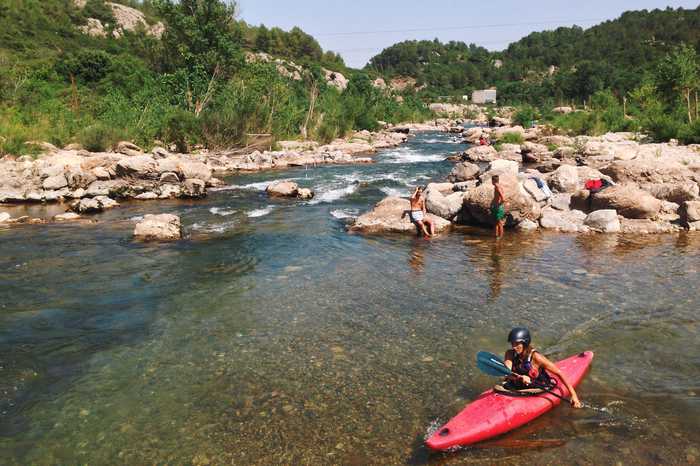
[491,364]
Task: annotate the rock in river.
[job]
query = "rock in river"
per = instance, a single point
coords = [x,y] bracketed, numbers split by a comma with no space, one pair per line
[391,215]
[163,227]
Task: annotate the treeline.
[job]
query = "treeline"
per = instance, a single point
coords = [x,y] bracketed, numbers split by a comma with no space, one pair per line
[642,67]
[192,86]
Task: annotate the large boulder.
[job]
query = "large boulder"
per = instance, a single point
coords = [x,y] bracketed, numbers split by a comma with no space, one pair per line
[78,177]
[628,200]
[564,179]
[197,170]
[501,167]
[464,171]
[114,188]
[55,182]
[481,154]
[283,189]
[519,204]
[570,221]
[678,192]
[163,227]
[194,188]
[645,170]
[138,166]
[689,212]
[603,221]
[443,206]
[391,216]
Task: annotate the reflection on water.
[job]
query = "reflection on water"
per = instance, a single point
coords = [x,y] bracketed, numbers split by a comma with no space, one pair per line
[281,339]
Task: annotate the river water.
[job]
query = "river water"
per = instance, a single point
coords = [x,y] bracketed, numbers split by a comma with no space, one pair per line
[273,336]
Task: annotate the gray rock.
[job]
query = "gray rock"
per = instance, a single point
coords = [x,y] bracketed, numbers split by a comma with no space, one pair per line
[519,204]
[391,215]
[678,192]
[169,177]
[689,212]
[603,221]
[465,185]
[527,225]
[195,170]
[163,227]
[564,179]
[139,166]
[305,193]
[67,217]
[628,200]
[443,206]
[463,172]
[169,191]
[4,217]
[561,201]
[481,154]
[55,182]
[101,173]
[531,187]
[567,222]
[113,188]
[147,196]
[194,188]
[11,195]
[79,178]
[283,189]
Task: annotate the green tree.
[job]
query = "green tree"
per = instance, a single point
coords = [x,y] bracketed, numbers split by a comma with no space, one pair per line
[678,72]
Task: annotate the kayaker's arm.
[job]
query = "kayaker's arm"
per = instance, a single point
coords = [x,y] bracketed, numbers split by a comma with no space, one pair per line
[508,361]
[553,369]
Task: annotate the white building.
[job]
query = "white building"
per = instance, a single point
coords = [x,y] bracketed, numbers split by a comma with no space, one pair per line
[486,96]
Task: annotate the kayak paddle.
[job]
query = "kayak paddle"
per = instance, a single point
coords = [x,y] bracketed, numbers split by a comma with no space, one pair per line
[491,364]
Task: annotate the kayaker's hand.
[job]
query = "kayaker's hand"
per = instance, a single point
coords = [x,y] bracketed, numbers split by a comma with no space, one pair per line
[576,403]
[525,379]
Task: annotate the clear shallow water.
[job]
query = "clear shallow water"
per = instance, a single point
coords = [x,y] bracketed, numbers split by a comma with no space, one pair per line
[272,336]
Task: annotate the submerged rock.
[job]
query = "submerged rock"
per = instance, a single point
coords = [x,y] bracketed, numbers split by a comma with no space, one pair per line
[163,227]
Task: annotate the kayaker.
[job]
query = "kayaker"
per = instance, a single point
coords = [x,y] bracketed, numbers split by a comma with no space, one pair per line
[530,366]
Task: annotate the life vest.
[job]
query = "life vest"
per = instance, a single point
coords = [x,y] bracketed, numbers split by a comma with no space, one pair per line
[524,367]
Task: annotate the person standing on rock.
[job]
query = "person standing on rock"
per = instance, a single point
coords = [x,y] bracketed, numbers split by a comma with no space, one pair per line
[418,214]
[498,206]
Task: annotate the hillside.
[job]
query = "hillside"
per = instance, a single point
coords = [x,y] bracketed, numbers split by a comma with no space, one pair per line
[180,72]
[565,64]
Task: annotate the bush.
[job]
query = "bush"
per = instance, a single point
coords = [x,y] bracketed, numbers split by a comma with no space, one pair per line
[98,137]
[182,129]
[690,133]
[511,138]
[525,116]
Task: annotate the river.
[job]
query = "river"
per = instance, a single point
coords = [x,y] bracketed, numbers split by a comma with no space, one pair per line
[271,335]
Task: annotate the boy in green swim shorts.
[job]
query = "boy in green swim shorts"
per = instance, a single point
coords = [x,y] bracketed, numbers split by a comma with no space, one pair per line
[498,206]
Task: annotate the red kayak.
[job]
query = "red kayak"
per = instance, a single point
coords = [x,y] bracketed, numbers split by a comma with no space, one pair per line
[495,413]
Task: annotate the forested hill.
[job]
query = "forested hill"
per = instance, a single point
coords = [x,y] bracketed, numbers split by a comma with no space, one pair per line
[184,72]
[612,55]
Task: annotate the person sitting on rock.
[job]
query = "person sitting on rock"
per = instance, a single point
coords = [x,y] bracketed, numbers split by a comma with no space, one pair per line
[418,214]
[498,206]
[483,141]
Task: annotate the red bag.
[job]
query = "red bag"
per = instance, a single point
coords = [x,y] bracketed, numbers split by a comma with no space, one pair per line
[593,185]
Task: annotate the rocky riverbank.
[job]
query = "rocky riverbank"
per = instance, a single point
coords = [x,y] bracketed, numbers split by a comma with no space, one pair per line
[87,183]
[608,184]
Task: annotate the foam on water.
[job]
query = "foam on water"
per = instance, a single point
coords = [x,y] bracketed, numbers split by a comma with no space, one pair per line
[410,155]
[334,194]
[260,212]
[394,192]
[342,214]
[258,186]
[222,211]
[212,227]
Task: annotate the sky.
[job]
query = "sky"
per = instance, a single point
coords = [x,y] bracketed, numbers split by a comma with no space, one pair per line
[360,29]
